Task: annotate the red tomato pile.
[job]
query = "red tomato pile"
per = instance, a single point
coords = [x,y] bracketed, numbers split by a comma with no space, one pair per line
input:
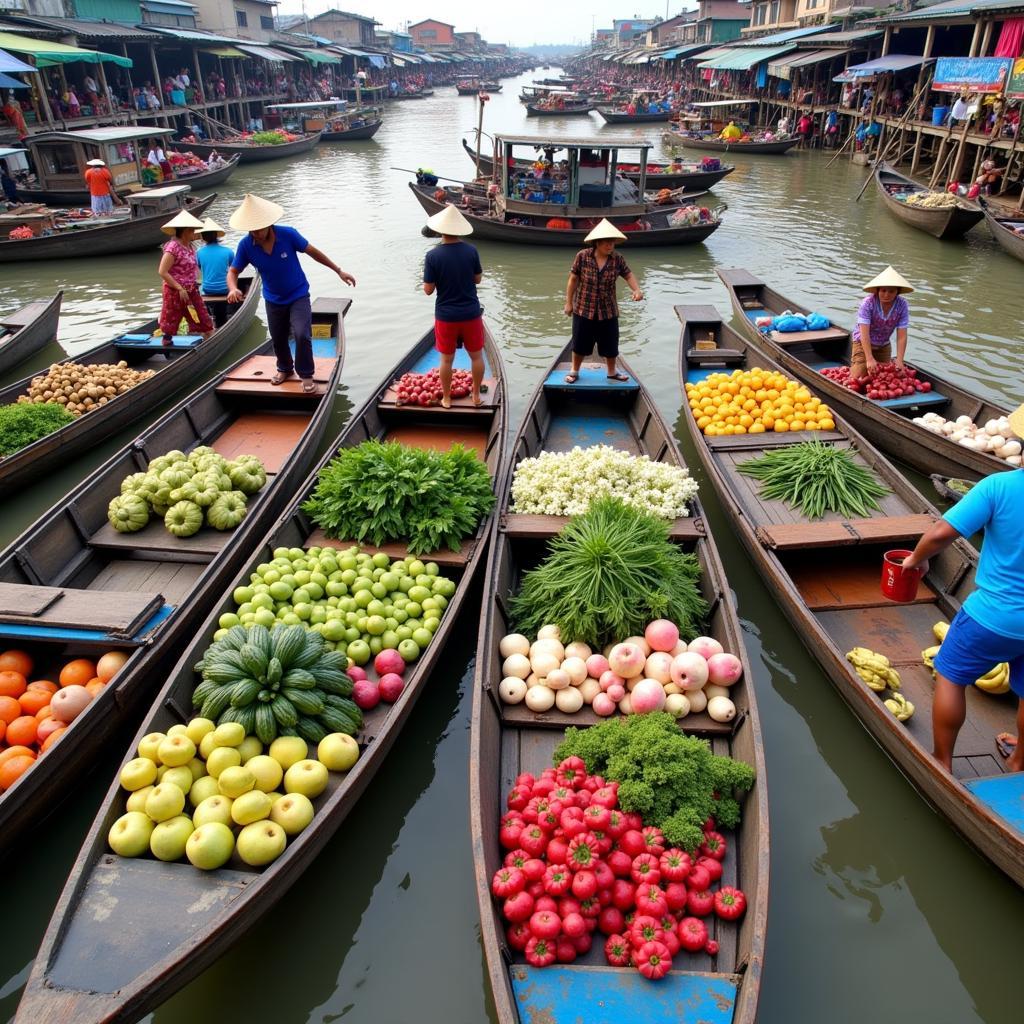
[578,864]
[425,388]
[888,382]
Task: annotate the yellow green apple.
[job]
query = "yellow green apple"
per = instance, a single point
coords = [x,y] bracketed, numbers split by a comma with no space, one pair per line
[286,750]
[260,843]
[307,777]
[293,812]
[150,743]
[198,728]
[138,773]
[178,730]
[202,788]
[137,801]
[213,808]
[338,752]
[206,746]
[229,734]
[169,837]
[129,835]
[250,807]
[249,748]
[236,780]
[197,767]
[267,771]
[221,758]
[210,846]
[176,750]
[166,801]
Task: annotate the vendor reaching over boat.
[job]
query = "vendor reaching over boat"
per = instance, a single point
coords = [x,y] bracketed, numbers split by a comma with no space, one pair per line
[989,628]
[273,249]
[452,270]
[590,299]
[731,132]
[179,271]
[882,312]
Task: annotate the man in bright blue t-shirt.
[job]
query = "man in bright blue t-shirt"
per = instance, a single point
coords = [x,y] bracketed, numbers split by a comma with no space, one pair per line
[273,249]
[989,628]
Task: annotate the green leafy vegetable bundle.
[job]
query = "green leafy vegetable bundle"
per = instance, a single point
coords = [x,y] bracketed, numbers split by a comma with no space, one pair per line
[382,491]
[816,478]
[21,424]
[666,776]
[609,573]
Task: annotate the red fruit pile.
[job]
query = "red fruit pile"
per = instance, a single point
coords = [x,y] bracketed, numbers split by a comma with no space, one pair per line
[577,864]
[425,388]
[888,382]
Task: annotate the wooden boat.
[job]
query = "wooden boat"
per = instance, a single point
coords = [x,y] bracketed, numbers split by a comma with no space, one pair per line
[569,110]
[144,963]
[947,487]
[146,592]
[825,576]
[508,739]
[689,176]
[190,358]
[250,154]
[80,197]
[622,117]
[24,332]
[1007,231]
[888,423]
[108,236]
[363,131]
[942,222]
[689,140]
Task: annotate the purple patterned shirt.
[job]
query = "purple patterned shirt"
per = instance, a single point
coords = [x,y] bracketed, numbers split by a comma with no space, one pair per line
[881,326]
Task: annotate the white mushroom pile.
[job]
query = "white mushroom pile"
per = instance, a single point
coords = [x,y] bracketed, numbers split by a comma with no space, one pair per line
[995,437]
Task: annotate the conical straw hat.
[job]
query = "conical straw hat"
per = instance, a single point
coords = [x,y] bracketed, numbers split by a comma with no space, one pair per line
[450,221]
[889,278]
[211,225]
[1016,419]
[605,229]
[255,214]
[95,163]
[183,220]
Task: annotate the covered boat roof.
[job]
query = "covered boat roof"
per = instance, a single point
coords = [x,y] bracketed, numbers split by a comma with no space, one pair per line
[102,135]
[308,105]
[600,142]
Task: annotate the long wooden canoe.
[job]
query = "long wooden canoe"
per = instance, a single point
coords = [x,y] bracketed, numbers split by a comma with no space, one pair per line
[107,236]
[622,117]
[80,197]
[1007,231]
[533,110]
[364,131]
[486,226]
[249,154]
[190,358]
[116,967]
[776,147]
[146,592]
[888,423]
[508,739]
[943,222]
[25,331]
[826,573]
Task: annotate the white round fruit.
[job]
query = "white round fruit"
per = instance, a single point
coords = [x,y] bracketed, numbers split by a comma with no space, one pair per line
[267,771]
[570,701]
[129,835]
[210,846]
[552,647]
[261,843]
[514,643]
[721,709]
[698,701]
[576,668]
[544,664]
[578,649]
[213,808]
[711,691]
[338,751]
[292,811]
[677,705]
[306,777]
[286,750]
[550,632]
[540,698]
[517,665]
[557,679]
[512,690]
[589,689]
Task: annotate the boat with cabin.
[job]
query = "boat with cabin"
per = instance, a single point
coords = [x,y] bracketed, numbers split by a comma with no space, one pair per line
[334,119]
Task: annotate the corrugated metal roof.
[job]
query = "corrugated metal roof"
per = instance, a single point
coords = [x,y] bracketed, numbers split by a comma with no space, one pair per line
[782,37]
[852,36]
[955,9]
[681,51]
[83,27]
[891,62]
[742,58]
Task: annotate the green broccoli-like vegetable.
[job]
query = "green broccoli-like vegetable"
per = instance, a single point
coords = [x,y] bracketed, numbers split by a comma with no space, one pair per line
[669,778]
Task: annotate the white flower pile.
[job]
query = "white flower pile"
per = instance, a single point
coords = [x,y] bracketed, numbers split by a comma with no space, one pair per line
[565,483]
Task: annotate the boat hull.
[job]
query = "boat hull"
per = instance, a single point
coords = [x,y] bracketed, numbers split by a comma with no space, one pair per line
[366,131]
[947,224]
[33,328]
[1009,241]
[775,148]
[250,154]
[532,110]
[620,117]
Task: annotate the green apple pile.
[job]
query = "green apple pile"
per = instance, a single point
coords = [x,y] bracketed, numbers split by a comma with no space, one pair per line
[209,792]
[360,603]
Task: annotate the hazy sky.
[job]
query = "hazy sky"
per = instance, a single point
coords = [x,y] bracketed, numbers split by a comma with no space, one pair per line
[521,25]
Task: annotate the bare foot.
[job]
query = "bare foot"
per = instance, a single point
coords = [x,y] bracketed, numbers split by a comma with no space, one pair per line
[446,403]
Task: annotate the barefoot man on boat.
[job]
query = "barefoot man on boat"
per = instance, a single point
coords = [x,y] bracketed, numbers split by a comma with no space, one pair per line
[989,628]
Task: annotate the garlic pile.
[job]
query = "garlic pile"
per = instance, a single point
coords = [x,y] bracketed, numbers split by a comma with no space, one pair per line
[994,437]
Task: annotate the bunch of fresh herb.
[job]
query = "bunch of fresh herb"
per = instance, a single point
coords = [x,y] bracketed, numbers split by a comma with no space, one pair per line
[816,478]
[609,573]
[382,491]
[23,423]
[668,777]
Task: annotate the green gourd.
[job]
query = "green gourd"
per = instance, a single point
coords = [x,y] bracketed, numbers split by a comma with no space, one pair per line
[206,492]
[247,474]
[184,519]
[227,511]
[131,483]
[198,452]
[176,475]
[128,513]
[186,492]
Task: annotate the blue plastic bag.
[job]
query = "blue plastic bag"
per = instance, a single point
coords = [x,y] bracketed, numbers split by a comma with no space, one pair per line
[789,322]
[817,322]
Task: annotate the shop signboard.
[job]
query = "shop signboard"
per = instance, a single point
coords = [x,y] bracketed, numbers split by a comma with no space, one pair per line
[1015,86]
[971,74]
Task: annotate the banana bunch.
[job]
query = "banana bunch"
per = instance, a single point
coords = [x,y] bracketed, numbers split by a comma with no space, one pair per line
[899,706]
[996,680]
[874,669]
[928,657]
[940,629]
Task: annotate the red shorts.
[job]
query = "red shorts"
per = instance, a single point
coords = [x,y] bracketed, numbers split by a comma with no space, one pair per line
[449,334]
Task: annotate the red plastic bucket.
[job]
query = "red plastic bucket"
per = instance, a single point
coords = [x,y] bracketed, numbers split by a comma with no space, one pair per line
[899,584]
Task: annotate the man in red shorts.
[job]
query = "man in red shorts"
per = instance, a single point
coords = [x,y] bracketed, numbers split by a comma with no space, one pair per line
[452,270]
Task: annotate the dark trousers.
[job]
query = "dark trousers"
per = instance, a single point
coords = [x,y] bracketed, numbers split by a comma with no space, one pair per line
[294,319]
[220,309]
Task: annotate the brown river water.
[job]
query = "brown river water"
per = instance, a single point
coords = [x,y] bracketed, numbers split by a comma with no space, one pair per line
[879,911]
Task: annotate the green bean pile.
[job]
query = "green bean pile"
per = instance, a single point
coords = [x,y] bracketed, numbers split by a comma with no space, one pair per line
[816,478]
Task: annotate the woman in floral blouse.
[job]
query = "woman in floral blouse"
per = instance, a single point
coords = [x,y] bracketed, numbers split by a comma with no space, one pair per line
[179,271]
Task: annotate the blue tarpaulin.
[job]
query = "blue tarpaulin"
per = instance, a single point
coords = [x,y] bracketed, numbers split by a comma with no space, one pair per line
[9,63]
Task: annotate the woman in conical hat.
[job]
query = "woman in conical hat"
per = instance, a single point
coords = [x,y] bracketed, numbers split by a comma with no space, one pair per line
[273,249]
[179,271]
[214,259]
[452,270]
[590,300]
[882,312]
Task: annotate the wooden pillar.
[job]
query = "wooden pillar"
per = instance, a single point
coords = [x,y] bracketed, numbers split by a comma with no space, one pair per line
[916,160]
[43,98]
[929,42]
[198,83]
[886,40]
[986,38]
[105,98]
[975,40]
[157,84]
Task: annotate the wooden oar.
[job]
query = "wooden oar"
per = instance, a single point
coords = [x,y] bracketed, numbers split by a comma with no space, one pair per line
[440,177]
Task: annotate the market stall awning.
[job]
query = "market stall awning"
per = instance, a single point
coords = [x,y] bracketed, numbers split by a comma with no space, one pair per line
[681,51]
[709,54]
[782,67]
[6,82]
[47,54]
[266,53]
[227,52]
[191,35]
[743,58]
[314,56]
[9,63]
[891,62]
[376,59]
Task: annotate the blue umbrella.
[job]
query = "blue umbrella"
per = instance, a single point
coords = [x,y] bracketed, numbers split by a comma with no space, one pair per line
[9,63]
[6,82]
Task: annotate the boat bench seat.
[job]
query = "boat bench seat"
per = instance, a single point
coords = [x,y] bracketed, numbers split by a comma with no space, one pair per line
[919,398]
[156,341]
[591,378]
[396,549]
[541,527]
[785,338]
[1003,794]
[253,378]
[729,356]
[843,532]
[24,316]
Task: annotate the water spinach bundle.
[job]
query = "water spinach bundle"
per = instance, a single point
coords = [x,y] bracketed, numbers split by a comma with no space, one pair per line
[22,424]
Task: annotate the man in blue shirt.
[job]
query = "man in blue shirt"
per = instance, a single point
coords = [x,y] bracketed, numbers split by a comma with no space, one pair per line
[273,249]
[453,270]
[989,628]
[214,260]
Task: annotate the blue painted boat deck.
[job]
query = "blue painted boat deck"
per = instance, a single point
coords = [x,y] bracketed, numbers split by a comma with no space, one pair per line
[588,427]
[33,632]
[1003,794]
[156,341]
[609,995]
[591,378]
[432,358]
[323,348]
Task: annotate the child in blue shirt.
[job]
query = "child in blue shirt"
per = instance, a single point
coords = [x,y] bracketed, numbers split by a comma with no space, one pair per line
[214,260]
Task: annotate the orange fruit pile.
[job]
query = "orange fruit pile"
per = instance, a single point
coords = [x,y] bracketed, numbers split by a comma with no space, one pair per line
[755,401]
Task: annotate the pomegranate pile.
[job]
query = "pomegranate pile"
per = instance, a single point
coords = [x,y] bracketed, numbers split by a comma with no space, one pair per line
[888,382]
[425,388]
[577,864]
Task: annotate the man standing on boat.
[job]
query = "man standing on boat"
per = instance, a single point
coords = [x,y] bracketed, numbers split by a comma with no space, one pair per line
[590,299]
[273,250]
[989,628]
[452,270]
[101,188]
